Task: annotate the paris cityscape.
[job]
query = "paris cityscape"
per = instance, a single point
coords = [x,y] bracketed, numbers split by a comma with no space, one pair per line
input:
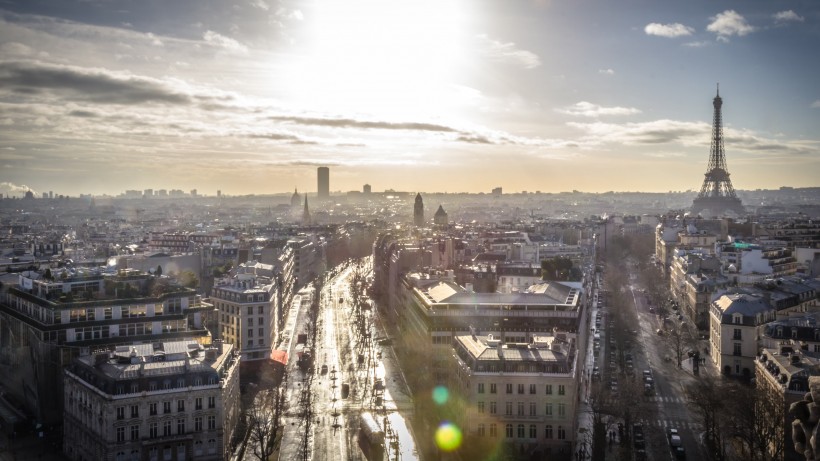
[409,230]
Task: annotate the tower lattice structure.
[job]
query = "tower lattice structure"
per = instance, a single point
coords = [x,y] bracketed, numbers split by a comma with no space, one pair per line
[717,196]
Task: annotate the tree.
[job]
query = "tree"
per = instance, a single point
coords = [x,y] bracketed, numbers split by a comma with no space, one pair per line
[264,420]
[709,403]
[188,279]
[158,272]
[682,338]
[559,269]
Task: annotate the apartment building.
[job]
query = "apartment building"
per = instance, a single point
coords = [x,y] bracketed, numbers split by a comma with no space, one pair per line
[48,319]
[170,401]
[247,309]
[522,394]
[736,321]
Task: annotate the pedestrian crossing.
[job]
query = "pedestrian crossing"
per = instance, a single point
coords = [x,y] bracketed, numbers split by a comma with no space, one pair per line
[651,398]
[670,423]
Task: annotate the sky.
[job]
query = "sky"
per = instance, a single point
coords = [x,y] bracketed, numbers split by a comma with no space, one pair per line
[249,97]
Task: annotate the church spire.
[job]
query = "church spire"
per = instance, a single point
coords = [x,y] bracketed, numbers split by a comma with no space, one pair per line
[306,213]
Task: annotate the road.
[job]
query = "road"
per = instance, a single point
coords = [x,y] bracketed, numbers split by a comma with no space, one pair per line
[333,430]
[670,405]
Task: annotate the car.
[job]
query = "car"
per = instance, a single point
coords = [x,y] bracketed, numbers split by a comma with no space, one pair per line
[648,390]
[672,432]
[647,373]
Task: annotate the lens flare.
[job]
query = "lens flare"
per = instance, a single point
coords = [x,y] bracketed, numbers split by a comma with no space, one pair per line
[440,395]
[448,436]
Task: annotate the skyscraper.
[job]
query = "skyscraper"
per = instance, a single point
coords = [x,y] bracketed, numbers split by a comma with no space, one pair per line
[323,175]
[418,211]
[717,196]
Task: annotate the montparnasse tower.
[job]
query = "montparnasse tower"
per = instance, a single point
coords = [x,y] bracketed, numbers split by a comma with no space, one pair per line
[717,196]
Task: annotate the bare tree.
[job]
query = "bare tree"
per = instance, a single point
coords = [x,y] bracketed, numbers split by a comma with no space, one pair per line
[264,420]
[681,338]
[756,421]
[708,401]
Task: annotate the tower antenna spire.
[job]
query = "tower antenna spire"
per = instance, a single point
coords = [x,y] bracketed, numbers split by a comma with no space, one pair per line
[718,89]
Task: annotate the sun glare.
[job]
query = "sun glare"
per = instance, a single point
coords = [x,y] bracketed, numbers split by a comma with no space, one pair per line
[395,59]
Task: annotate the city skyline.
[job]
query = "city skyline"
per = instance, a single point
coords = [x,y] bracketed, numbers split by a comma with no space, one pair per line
[452,96]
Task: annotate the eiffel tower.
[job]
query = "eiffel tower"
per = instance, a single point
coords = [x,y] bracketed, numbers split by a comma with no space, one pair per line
[717,196]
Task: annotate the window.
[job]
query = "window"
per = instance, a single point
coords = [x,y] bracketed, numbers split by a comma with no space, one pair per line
[508,409]
[561,390]
[520,431]
[737,350]
[120,412]
[508,430]
[738,334]
[520,388]
[198,403]
[152,409]
[562,434]
[480,388]
[509,388]
[120,434]
[153,430]
[260,342]
[493,409]
[259,310]
[549,389]
[211,423]
[250,310]
[211,402]
[180,426]
[198,424]
[135,433]
[533,431]
[166,428]
[493,389]
[481,407]
[250,322]
[493,430]
[520,408]
[166,407]
[261,332]
[180,405]
[250,332]
[532,389]
[562,410]
[135,411]
[532,409]
[481,430]
[548,410]
[548,433]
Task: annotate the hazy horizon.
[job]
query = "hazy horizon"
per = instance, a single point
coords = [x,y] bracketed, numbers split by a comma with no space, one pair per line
[458,96]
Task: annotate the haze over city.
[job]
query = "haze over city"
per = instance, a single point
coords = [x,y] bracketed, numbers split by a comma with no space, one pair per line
[450,96]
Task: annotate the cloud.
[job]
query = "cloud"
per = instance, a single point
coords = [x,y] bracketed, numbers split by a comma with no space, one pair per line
[691,134]
[82,114]
[654,132]
[783,17]
[364,124]
[668,30]
[699,44]
[508,52]
[816,104]
[226,43]
[87,84]
[606,71]
[588,109]
[260,4]
[10,188]
[729,23]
